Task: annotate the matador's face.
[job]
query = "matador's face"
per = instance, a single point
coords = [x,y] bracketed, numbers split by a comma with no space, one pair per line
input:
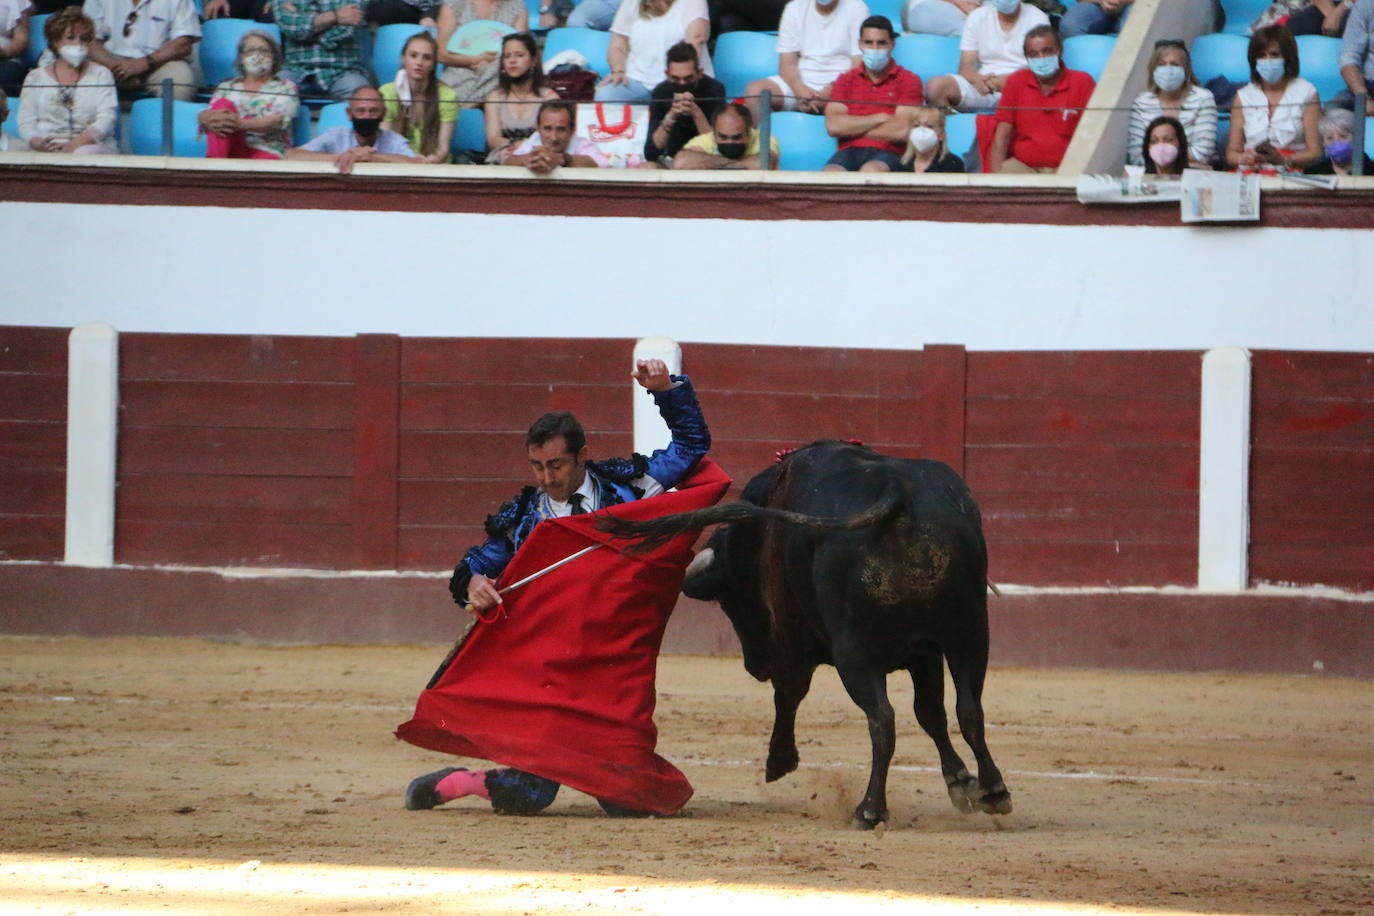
[557,471]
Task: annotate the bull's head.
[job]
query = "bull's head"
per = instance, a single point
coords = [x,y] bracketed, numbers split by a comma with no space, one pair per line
[727,571]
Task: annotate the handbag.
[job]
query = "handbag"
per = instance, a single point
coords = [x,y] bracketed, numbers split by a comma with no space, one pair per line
[575,84]
[616,129]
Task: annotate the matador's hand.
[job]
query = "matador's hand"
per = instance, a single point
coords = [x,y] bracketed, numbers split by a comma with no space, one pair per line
[652,374]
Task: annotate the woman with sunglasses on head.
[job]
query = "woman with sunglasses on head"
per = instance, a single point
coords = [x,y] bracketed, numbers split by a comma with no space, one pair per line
[418,106]
[70,105]
[1172,91]
[1274,116]
[513,107]
[250,117]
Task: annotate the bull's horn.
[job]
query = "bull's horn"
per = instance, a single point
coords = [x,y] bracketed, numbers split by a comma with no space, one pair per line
[700,562]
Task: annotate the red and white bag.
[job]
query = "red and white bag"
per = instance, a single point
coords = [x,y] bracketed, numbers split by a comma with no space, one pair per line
[617,130]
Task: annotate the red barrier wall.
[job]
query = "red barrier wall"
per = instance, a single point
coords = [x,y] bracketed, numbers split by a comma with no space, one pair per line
[33,442]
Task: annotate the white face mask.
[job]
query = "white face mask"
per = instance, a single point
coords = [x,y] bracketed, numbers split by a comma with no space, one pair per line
[924,139]
[1169,77]
[257,64]
[74,55]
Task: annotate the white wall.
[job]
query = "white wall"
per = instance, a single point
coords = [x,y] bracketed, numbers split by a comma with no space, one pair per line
[861,283]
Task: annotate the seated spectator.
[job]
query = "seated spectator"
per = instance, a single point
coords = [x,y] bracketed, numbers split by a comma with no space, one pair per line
[1165,147]
[1357,52]
[70,105]
[939,17]
[1040,108]
[250,117]
[474,76]
[418,106]
[926,151]
[990,51]
[1171,89]
[879,98]
[555,143]
[1337,130]
[145,43]
[513,106]
[257,10]
[322,40]
[1274,116]
[641,35]
[363,140]
[424,13]
[14,41]
[746,15]
[731,143]
[684,104]
[817,42]
[1306,17]
[8,144]
[1095,17]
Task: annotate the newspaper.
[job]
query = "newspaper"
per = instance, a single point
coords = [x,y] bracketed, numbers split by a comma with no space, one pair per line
[1134,187]
[1219,196]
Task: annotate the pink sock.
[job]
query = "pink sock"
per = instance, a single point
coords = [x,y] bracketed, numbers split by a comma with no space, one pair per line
[461,783]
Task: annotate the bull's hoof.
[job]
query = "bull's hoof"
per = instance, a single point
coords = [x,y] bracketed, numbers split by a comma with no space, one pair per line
[866,818]
[964,791]
[780,763]
[998,802]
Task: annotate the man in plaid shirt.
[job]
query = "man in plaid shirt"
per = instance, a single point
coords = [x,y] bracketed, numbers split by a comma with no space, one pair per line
[322,41]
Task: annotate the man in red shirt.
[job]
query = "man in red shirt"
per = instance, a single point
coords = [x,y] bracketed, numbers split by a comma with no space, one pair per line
[1040,108]
[873,106]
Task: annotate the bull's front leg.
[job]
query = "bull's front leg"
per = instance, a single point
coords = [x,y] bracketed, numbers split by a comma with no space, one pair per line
[867,687]
[788,691]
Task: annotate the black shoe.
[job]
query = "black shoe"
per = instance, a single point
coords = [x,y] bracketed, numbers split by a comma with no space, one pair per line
[423,791]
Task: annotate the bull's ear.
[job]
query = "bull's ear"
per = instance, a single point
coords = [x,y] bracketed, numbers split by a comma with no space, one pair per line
[704,578]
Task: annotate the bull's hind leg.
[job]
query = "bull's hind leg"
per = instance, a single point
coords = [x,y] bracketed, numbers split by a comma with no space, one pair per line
[867,687]
[968,667]
[928,680]
[788,692]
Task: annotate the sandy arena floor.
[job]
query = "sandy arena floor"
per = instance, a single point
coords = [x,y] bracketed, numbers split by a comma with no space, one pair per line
[194,777]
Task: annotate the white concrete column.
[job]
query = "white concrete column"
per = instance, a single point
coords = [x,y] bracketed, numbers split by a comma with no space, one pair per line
[650,432]
[1224,472]
[92,431]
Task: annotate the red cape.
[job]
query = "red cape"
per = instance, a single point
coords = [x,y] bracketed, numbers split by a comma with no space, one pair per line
[561,684]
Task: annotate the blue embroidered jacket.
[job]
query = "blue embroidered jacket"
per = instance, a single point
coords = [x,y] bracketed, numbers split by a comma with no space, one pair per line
[615,481]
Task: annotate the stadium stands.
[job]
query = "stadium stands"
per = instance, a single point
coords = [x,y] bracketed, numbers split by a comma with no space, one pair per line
[805,146]
[591,43]
[960,132]
[37,43]
[470,135]
[1319,57]
[219,45]
[1221,54]
[145,128]
[1240,13]
[1088,53]
[927,55]
[742,57]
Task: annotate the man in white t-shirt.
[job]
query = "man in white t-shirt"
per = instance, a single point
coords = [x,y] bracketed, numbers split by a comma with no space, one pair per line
[989,52]
[144,43]
[554,144]
[817,41]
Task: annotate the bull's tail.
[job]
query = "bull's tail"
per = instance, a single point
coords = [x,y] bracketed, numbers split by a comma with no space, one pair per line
[656,532]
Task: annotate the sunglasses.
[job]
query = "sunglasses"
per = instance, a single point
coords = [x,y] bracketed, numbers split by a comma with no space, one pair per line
[1171,43]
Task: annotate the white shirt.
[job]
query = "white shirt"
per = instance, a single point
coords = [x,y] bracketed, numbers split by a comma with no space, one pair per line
[9,18]
[1284,130]
[1198,115]
[650,39]
[827,43]
[157,22]
[94,105]
[999,53]
[577,146]
[564,509]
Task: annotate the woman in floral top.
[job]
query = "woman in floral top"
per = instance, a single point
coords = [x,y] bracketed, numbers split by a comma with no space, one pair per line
[250,117]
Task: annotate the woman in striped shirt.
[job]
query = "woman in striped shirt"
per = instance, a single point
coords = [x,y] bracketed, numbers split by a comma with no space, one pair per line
[1173,91]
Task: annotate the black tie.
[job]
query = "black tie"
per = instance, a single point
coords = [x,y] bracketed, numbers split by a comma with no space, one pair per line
[577,507]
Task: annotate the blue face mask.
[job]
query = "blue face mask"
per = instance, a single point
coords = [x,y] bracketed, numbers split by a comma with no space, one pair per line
[1007,7]
[1044,67]
[1270,69]
[1169,77]
[1341,152]
[876,59]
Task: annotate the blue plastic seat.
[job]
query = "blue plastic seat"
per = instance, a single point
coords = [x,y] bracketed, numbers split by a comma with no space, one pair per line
[335,114]
[961,131]
[742,57]
[11,125]
[1369,136]
[387,45]
[219,45]
[1220,54]
[145,128]
[1223,133]
[470,133]
[1240,13]
[804,146]
[1089,53]
[927,55]
[892,9]
[590,43]
[37,43]
[301,128]
[1320,60]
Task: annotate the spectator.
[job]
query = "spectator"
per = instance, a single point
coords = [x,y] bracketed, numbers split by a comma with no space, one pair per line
[555,144]
[257,10]
[1096,17]
[589,14]
[145,43]
[418,106]
[684,104]
[513,106]
[817,42]
[939,17]
[362,141]
[8,144]
[745,15]
[1040,108]
[1274,116]
[1165,147]
[871,106]
[1306,17]
[423,13]
[731,143]
[1357,52]
[250,117]
[473,76]
[641,35]
[323,44]
[927,151]
[1337,130]
[70,105]
[14,41]
[1173,90]
[991,50]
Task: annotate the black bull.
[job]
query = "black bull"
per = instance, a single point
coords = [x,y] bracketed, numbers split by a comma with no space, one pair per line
[839,555]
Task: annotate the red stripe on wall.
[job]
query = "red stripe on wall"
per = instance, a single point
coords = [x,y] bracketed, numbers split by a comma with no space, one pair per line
[33,442]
